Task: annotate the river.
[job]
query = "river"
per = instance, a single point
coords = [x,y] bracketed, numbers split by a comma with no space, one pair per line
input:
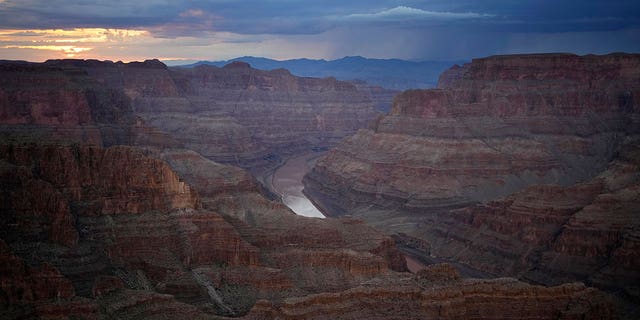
[287,183]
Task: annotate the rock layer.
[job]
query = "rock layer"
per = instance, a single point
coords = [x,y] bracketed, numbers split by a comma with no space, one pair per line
[455,299]
[89,215]
[270,112]
[44,102]
[250,117]
[218,254]
[505,168]
[89,229]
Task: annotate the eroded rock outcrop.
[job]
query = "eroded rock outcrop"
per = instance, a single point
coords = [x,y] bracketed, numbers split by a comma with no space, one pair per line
[407,298]
[250,117]
[183,255]
[156,231]
[38,292]
[507,167]
[102,220]
[261,112]
[62,104]
[381,97]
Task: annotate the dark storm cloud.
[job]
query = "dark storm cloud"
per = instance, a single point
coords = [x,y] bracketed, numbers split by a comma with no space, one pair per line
[309,17]
[552,16]
[47,14]
[409,29]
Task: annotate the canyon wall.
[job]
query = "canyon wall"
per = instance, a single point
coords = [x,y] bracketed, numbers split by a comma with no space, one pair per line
[521,165]
[103,216]
[42,102]
[249,117]
[420,298]
[84,221]
[270,112]
[92,232]
[381,97]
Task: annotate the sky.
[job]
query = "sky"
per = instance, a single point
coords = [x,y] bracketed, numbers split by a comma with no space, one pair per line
[37,30]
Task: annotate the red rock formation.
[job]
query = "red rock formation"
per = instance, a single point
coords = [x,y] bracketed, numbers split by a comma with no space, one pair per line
[106,181]
[262,112]
[289,241]
[249,116]
[41,102]
[21,283]
[381,97]
[38,292]
[123,232]
[506,168]
[95,213]
[453,299]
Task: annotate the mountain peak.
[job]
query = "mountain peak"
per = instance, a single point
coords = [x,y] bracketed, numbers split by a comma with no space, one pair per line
[237,65]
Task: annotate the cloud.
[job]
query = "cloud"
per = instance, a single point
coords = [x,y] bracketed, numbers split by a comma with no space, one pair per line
[282,17]
[68,51]
[403,13]
[220,29]
[68,43]
[191,22]
[49,14]
[192,13]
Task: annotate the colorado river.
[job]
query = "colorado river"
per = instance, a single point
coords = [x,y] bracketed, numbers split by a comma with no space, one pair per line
[287,183]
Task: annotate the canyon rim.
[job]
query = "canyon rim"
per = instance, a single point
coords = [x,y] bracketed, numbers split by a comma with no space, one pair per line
[138,191]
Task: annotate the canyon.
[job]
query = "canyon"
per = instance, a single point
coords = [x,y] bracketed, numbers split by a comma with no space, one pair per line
[286,181]
[134,191]
[235,114]
[523,166]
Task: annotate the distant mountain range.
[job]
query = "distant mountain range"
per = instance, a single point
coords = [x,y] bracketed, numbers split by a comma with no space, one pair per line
[388,73]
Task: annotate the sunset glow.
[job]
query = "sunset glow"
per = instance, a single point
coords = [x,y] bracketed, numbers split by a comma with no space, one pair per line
[37,30]
[66,43]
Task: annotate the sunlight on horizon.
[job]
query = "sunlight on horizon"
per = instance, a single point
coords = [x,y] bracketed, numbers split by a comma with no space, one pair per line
[68,43]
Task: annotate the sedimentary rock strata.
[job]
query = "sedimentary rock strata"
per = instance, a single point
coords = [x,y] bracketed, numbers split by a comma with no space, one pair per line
[128,223]
[381,97]
[270,111]
[249,117]
[100,220]
[141,243]
[43,102]
[519,165]
[418,298]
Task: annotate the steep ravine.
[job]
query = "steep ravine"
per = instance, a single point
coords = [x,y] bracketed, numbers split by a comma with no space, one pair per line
[523,165]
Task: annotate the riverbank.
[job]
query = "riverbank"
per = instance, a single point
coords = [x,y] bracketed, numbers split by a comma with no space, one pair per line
[286,182]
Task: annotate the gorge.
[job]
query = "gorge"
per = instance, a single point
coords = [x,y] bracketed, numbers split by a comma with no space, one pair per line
[138,191]
[286,181]
[523,166]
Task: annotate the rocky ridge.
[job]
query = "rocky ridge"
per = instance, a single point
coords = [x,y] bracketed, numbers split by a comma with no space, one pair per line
[132,225]
[518,165]
[272,112]
[98,220]
[250,117]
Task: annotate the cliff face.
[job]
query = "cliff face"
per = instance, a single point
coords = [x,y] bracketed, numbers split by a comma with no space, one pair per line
[262,113]
[502,167]
[47,102]
[466,299]
[381,97]
[89,230]
[250,117]
[85,223]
